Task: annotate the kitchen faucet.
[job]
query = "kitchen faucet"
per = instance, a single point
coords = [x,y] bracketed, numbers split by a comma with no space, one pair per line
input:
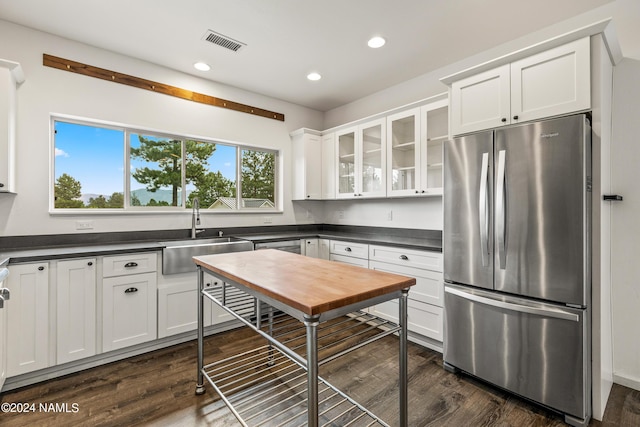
[195,218]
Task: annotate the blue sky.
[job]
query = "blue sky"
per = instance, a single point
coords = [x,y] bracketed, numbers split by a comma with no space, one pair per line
[95,157]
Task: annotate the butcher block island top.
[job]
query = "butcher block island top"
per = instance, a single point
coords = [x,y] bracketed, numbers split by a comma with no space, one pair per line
[310,285]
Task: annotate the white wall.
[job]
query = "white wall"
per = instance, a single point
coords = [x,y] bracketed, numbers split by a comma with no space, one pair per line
[625,223]
[47,90]
[422,213]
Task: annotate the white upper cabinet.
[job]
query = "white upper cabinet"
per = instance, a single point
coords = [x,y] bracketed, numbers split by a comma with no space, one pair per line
[372,159]
[11,76]
[546,84]
[434,130]
[360,155]
[552,83]
[346,163]
[387,155]
[481,101]
[307,165]
[414,149]
[403,152]
[328,166]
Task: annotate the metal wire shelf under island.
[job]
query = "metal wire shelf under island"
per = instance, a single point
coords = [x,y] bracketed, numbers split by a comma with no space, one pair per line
[336,337]
[264,387]
[278,384]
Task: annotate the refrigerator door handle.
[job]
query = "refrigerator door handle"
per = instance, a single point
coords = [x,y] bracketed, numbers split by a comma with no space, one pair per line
[483,208]
[501,211]
[545,312]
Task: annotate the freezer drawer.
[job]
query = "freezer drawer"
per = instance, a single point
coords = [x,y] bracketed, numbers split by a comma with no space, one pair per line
[533,349]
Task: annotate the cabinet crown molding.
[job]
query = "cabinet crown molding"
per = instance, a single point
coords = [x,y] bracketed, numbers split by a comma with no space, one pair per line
[605,27]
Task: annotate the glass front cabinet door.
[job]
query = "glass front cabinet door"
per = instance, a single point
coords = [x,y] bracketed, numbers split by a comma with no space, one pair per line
[434,131]
[372,154]
[346,170]
[361,160]
[403,153]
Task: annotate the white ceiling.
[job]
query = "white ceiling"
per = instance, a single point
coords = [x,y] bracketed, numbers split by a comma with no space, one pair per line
[287,39]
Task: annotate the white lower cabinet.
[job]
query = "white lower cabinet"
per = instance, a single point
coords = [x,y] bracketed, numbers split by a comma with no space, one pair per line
[310,247]
[76,309]
[425,304]
[28,318]
[424,319]
[350,249]
[324,248]
[129,301]
[177,305]
[349,260]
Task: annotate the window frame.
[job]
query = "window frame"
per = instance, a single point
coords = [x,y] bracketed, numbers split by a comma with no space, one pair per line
[127,131]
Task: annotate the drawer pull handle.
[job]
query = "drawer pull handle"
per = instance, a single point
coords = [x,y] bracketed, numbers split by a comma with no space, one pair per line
[131,264]
[347,249]
[404,257]
[130,290]
[41,268]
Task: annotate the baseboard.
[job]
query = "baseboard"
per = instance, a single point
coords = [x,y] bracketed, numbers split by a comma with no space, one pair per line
[425,342]
[52,372]
[633,383]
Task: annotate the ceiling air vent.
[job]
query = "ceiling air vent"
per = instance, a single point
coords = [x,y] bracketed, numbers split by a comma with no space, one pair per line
[222,40]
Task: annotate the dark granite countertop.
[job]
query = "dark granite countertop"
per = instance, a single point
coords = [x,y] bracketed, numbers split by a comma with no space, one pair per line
[429,244]
[40,248]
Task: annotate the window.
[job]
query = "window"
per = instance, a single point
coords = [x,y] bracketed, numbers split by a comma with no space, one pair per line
[164,172]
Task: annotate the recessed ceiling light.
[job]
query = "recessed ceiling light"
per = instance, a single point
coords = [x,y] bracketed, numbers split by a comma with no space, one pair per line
[201,66]
[314,76]
[376,42]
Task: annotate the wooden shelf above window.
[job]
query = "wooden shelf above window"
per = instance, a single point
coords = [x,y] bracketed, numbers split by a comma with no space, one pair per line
[113,76]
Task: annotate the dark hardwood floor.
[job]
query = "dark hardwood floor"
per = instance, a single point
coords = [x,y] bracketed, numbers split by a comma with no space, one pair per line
[158,389]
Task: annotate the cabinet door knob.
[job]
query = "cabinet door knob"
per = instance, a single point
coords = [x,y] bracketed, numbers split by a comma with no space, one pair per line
[404,257]
[90,263]
[347,249]
[515,117]
[41,268]
[131,264]
[130,290]
[504,120]
[1,185]
[417,192]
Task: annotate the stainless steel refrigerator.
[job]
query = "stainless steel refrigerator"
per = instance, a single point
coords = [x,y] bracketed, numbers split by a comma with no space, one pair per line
[516,244]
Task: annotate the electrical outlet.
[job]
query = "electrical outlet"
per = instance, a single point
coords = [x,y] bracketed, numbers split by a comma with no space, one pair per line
[390,215]
[340,214]
[84,225]
[268,219]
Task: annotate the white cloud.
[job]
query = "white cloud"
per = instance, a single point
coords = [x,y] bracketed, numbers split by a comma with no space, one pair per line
[62,153]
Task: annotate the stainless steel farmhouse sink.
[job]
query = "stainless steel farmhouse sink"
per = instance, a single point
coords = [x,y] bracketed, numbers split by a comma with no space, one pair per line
[177,254]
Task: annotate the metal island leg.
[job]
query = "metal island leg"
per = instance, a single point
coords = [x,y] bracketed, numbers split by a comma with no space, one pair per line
[311,323]
[404,360]
[200,383]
